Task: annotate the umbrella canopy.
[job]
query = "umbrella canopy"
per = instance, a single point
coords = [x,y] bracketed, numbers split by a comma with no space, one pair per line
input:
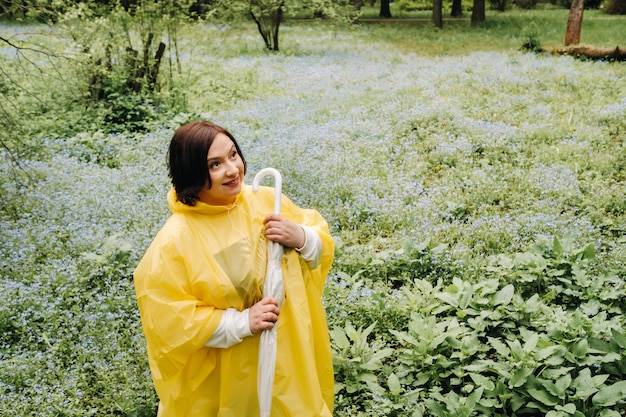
[273,287]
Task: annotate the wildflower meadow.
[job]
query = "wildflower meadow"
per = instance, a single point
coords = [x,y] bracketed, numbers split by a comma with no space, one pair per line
[478,202]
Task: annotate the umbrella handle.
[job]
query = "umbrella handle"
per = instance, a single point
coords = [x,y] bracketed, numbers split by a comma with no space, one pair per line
[278,185]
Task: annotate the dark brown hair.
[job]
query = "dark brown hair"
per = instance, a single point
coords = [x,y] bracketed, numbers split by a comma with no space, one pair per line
[187,158]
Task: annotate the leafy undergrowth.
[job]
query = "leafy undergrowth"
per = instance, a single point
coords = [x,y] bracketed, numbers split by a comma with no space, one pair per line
[478,203]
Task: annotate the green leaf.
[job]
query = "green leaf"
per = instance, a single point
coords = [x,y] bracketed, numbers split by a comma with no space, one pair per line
[466,297]
[619,338]
[557,247]
[382,353]
[556,372]
[517,402]
[556,350]
[447,298]
[504,296]
[367,331]
[563,383]
[480,365]
[586,385]
[543,396]
[339,338]
[531,342]
[482,381]
[610,395]
[580,348]
[589,252]
[569,408]
[405,337]
[474,398]
[516,349]
[339,386]
[559,387]
[499,346]
[605,413]
[368,377]
[394,384]
[520,376]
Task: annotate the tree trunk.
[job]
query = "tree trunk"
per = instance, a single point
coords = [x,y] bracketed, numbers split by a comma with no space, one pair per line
[574,22]
[478,13]
[385,10]
[268,26]
[592,52]
[457,8]
[437,13]
[154,72]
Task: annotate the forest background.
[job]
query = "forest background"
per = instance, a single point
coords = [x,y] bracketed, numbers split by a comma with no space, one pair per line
[474,183]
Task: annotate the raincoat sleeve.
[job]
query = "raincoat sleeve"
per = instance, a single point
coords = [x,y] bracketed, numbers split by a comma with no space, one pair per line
[313,220]
[312,248]
[176,322]
[233,327]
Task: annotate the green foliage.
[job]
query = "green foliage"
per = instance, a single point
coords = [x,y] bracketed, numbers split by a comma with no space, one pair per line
[614,7]
[560,272]
[500,5]
[269,14]
[526,4]
[399,267]
[122,60]
[544,335]
[430,327]
[338,11]
[589,4]
[114,71]
[532,42]
[362,382]
[108,265]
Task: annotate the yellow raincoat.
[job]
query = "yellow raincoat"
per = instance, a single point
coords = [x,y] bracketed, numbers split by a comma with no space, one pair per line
[206,259]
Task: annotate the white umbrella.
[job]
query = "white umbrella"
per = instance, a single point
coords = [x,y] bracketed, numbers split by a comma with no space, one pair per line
[274,287]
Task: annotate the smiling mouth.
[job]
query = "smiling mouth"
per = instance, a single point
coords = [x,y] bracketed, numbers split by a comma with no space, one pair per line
[232,183]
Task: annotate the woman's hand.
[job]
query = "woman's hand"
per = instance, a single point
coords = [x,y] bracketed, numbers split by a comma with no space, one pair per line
[283,231]
[263,315]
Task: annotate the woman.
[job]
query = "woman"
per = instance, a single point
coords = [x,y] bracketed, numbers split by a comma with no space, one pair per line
[199,289]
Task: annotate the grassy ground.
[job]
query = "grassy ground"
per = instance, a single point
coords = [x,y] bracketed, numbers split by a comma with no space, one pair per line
[451,140]
[501,31]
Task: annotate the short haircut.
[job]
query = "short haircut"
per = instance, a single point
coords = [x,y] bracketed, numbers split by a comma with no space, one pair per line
[187,158]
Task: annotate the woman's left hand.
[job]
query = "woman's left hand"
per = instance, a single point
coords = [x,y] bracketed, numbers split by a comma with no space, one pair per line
[283,231]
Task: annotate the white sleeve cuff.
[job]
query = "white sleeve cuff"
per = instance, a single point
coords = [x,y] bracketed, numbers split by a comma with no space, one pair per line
[312,248]
[233,327]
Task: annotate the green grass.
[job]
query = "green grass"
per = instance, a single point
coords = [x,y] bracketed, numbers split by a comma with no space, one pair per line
[500,32]
[441,159]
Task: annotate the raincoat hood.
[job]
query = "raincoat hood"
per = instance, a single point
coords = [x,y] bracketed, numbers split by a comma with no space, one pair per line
[201,207]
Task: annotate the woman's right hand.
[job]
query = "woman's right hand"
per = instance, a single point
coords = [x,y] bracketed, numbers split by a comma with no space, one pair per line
[263,315]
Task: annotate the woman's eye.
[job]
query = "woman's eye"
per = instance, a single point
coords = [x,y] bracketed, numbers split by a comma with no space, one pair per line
[214,165]
[233,155]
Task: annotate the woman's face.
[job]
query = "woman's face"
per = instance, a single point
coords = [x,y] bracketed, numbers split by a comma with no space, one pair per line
[226,172]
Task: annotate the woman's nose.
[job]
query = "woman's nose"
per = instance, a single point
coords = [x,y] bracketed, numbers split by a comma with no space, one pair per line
[231,167]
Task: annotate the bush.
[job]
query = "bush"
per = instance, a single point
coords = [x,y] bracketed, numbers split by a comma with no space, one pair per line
[540,333]
[526,4]
[615,7]
[589,4]
[499,5]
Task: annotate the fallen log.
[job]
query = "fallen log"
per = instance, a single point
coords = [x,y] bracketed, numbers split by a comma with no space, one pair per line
[591,52]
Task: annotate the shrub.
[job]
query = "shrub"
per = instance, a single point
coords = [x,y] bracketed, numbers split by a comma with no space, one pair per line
[499,5]
[526,4]
[589,4]
[614,7]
